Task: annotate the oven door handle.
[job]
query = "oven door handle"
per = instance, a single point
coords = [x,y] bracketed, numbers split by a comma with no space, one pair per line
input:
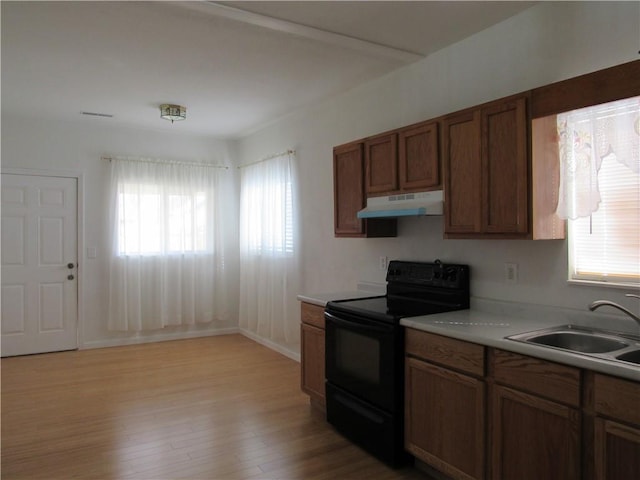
[353,324]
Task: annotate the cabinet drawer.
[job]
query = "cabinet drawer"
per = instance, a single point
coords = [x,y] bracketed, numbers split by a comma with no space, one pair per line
[547,379]
[312,314]
[450,352]
[617,398]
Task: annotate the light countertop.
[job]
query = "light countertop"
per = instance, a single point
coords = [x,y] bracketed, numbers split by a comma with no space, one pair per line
[490,329]
[488,322]
[364,290]
[321,299]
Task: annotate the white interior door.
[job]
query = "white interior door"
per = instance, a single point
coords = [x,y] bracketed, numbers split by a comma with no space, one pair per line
[39,302]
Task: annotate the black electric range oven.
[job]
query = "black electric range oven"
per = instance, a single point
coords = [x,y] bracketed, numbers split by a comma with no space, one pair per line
[364,352]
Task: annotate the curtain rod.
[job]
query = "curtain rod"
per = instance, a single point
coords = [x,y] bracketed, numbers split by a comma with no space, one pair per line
[269,157]
[167,162]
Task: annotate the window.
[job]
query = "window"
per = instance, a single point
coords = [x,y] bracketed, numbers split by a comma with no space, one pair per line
[269,250]
[167,265]
[160,212]
[154,222]
[266,208]
[600,191]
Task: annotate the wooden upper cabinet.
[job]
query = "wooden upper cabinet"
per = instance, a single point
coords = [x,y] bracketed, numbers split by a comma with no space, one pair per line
[406,160]
[349,196]
[419,157]
[486,162]
[504,162]
[348,189]
[381,160]
[463,172]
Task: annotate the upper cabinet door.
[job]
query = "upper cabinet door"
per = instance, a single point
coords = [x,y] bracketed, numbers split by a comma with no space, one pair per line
[486,168]
[381,158]
[418,157]
[348,174]
[505,165]
[462,172]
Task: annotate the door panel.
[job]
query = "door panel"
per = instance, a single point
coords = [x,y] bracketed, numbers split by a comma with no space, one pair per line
[348,180]
[463,173]
[39,240]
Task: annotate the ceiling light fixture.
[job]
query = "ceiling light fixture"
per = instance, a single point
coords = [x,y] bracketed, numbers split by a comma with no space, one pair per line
[173,112]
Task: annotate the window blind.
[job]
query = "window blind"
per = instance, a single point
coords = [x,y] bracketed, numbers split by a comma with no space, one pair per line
[605,246]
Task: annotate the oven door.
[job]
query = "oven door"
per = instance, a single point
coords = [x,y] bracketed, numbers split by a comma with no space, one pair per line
[364,358]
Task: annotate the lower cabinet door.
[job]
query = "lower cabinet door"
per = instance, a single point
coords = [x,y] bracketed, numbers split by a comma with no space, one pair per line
[444,419]
[617,451]
[533,438]
[312,364]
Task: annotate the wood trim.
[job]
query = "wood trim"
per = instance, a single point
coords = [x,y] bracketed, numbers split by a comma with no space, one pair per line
[545,177]
[614,83]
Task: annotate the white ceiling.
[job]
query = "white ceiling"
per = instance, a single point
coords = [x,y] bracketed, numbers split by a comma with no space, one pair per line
[234,65]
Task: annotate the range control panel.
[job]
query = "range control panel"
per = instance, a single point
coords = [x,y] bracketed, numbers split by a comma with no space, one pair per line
[436,274]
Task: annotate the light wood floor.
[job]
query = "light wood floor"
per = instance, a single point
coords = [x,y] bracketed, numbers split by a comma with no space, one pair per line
[210,408]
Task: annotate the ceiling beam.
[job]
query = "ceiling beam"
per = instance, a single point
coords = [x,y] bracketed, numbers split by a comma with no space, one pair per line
[303,31]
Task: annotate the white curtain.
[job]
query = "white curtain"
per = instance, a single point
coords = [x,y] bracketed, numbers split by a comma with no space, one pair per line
[586,136]
[167,256]
[269,249]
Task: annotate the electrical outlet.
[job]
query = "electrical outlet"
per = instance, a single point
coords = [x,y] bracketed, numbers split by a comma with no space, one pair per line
[383,262]
[511,273]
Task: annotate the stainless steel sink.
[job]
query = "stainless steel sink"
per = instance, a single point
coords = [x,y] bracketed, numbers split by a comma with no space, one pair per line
[619,347]
[579,342]
[632,356]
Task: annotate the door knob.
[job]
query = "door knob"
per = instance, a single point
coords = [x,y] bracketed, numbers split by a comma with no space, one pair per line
[70,277]
[70,266]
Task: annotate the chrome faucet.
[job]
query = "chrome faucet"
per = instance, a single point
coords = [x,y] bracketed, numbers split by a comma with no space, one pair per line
[601,303]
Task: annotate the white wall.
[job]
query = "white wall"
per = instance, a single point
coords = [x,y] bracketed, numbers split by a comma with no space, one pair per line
[549,42]
[36,144]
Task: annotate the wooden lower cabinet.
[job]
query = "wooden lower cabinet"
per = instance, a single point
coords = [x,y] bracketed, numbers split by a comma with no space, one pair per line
[445,419]
[312,339]
[616,432]
[445,404]
[616,450]
[473,412]
[533,438]
[536,421]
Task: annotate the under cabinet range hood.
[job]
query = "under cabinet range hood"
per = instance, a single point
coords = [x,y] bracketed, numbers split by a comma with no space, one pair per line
[404,205]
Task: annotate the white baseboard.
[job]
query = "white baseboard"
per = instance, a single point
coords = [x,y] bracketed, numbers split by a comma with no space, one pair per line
[272,345]
[117,342]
